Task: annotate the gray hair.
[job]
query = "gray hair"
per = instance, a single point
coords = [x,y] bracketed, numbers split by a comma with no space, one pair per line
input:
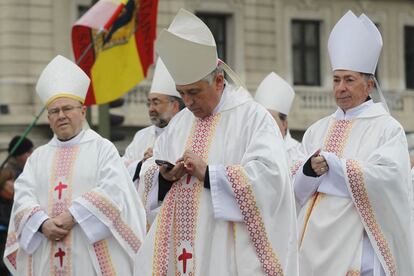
[368,77]
[180,101]
[210,77]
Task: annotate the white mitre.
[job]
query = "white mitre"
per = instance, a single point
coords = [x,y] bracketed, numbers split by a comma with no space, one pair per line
[275,93]
[62,78]
[355,44]
[162,82]
[187,48]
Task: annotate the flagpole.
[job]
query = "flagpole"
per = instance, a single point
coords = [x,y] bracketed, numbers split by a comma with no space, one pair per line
[33,123]
[78,61]
[27,130]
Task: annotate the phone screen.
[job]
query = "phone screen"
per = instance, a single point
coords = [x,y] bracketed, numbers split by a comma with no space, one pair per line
[164,163]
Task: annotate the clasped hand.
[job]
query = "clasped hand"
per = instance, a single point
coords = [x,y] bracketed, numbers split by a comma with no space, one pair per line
[58,227]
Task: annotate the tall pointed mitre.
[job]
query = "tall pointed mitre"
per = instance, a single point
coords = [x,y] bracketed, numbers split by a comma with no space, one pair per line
[355,44]
[187,48]
[62,78]
[275,93]
[162,82]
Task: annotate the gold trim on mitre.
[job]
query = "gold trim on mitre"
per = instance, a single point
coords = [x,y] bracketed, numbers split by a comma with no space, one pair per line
[65,95]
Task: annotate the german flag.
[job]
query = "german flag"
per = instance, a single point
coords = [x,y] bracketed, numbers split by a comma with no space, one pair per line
[113,42]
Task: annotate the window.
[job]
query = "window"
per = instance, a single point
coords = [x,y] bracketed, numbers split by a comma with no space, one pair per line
[409,56]
[306,52]
[217,25]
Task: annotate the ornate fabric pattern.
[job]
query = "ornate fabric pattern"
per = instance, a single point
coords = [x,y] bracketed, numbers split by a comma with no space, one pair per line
[60,194]
[110,211]
[12,259]
[19,216]
[11,239]
[162,236]
[60,198]
[253,220]
[183,201]
[337,136]
[148,180]
[24,215]
[185,223]
[295,167]
[30,265]
[203,132]
[104,258]
[353,273]
[364,207]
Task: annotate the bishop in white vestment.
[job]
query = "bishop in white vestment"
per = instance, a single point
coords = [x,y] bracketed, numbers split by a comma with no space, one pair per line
[276,95]
[75,209]
[235,215]
[354,189]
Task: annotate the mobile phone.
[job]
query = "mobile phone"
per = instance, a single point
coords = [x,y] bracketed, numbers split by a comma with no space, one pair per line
[164,163]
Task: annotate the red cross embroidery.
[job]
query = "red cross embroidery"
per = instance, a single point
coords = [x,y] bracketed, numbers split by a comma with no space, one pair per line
[59,188]
[184,257]
[60,254]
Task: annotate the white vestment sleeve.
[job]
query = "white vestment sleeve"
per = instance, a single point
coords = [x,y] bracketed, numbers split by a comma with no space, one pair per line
[333,182]
[305,186]
[222,194]
[132,167]
[30,238]
[93,228]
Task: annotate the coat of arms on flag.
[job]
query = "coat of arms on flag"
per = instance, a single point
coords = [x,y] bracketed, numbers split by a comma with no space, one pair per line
[113,42]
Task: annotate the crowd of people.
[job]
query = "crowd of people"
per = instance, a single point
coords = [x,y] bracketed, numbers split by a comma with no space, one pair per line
[216,185]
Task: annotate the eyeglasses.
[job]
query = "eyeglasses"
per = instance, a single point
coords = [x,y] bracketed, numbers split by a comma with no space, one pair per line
[156,103]
[54,112]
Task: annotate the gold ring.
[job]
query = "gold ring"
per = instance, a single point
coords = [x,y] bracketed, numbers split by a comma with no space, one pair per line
[174,178]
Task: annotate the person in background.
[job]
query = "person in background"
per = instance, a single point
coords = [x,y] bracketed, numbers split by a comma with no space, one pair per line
[276,95]
[18,158]
[7,177]
[163,103]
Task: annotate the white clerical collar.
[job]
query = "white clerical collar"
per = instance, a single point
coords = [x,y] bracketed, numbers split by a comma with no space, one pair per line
[352,112]
[223,96]
[159,130]
[69,143]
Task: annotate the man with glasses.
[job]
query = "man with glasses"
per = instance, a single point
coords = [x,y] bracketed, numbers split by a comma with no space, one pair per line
[75,209]
[163,103]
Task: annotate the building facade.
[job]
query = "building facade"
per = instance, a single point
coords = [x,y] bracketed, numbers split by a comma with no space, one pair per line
[254,37]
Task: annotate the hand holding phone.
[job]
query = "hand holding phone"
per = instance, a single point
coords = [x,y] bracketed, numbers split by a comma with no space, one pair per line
[164,163]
